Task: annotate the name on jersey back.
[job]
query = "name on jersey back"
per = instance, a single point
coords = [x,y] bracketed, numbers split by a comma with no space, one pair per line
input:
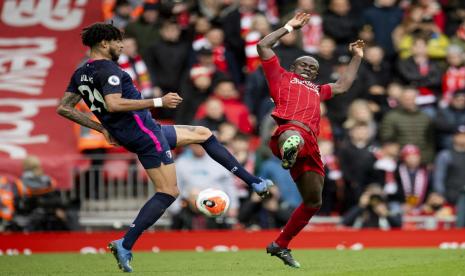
[86,78]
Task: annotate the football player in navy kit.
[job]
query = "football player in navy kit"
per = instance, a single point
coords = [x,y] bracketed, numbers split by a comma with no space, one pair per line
[125,120]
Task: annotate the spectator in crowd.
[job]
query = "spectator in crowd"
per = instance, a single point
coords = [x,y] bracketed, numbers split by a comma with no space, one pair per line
[394,91]
[288,49]
[131,62]
[236,24]
[436,41]
[212,114]
[289,195]
[235,111]
[414,181]
[213,10]
[200,29]
[222,58]
[436,206]
[259,29]
[226,132]
[195,90]
[431,9]
[360,113]
[256,95]
[422,73]
[311,33]
[455,15]
[356,147]
[408,125]
[178,10]
[376,73]
[449,118]
[264,214]
[186,216]
[334,184]
[327,59]
[339,24]
[145,29]
[239,146]
[459,37]
[197,171]
[167,58]
[450,174]
[382,168]
[454,77]
[326,131]
[38,205]
[9,190]
[339,106]
[372,211]
[121,14]
[383,17]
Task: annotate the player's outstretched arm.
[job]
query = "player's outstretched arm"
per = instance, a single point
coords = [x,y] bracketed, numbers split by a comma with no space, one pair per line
[67,110]
[116,103]
[345,81]
[264,46]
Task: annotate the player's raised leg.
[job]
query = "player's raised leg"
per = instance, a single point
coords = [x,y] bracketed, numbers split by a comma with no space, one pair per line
[290,142]
[310,186]
[164,179]
[181,135]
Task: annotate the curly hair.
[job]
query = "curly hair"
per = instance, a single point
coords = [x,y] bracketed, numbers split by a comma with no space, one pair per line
[97,32]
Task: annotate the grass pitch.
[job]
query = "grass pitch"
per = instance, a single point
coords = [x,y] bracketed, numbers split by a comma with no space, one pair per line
[248,262]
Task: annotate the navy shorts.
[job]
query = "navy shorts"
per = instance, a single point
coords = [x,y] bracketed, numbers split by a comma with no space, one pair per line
[151,145]
[170,134]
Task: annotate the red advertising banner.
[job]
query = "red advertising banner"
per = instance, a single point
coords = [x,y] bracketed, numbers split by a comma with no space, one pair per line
[40,48]
[85,242]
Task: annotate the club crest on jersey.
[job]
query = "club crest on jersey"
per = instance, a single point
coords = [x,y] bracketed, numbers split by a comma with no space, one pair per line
[307,83]
[114,80]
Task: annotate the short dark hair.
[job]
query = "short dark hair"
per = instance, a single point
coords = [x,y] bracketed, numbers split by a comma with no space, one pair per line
[97,32]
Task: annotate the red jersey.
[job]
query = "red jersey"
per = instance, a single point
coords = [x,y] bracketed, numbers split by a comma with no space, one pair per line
[295,98]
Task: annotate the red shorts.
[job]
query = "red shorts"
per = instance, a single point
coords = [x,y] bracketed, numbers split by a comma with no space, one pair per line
[309,158]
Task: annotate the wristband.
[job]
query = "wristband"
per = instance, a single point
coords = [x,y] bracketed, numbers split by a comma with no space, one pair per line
[289,28]
[157,102]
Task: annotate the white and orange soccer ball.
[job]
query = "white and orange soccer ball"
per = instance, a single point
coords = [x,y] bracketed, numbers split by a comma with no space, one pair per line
[212,202]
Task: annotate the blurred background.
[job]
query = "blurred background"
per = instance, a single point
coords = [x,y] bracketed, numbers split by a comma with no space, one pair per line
[393,146]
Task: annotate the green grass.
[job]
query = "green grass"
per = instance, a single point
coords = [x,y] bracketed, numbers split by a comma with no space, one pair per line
[249,262]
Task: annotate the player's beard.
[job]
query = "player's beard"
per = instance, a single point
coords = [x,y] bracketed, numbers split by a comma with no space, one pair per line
[114,55]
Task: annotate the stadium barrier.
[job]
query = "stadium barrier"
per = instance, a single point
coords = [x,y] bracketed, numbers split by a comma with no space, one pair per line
[232,240]
[111,194]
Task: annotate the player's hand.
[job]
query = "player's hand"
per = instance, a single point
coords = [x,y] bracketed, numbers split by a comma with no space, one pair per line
[356,48]
[109,138]
[171,100]
[299,20]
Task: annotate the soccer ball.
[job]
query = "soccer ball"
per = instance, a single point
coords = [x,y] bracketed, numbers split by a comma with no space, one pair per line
[212,202]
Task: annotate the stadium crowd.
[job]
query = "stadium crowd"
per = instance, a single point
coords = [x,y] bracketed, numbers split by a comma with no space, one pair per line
[393,146]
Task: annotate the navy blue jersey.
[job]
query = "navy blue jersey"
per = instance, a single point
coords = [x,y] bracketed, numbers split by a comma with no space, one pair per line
[98,78]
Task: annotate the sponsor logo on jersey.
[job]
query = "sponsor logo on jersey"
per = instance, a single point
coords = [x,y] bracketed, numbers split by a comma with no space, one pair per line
[307,83]
[114,80]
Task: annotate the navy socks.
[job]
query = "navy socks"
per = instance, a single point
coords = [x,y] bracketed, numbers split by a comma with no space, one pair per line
[148,215]
[221,155]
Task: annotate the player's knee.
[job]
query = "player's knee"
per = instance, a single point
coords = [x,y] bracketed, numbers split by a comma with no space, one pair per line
[314,203]
[203,132]
[172,191]
[314,200]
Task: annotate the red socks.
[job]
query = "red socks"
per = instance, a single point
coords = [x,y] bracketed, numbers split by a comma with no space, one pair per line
[295,224]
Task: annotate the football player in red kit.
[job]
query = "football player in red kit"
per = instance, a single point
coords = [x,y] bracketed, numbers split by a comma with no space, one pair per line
[297,113]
